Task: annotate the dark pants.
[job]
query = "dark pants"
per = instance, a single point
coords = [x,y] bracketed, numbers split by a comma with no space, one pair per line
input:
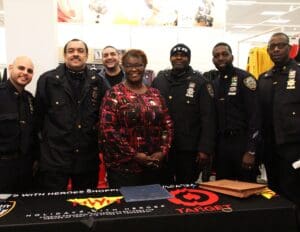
[282,177]
[15,175]
[118,179]
[58,181]
[180,168]
[229,155]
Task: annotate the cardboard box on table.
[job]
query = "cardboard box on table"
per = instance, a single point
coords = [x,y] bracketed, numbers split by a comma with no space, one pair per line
[233,188]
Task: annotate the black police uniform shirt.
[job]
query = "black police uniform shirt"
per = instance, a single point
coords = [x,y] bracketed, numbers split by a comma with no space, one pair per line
[16,121]
[236,100]
[191,107]
[280,103]
[68,124]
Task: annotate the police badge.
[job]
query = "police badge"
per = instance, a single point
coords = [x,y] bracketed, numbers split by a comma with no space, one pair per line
[190,90]
[210,90]
[30,101]
[250,83]
[291,82]
[94,95]
[233,86]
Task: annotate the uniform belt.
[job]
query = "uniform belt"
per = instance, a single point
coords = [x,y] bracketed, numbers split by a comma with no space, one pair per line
[9,156]
[232,133]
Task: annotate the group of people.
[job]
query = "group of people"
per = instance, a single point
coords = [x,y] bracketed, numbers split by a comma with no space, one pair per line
[183,124]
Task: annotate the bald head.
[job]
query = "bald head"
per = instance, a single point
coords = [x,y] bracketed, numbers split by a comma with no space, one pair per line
[21,72]
[22,59]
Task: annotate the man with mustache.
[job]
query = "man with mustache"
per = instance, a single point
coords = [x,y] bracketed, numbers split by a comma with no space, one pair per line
[236,101]
[190,103]
[67,104]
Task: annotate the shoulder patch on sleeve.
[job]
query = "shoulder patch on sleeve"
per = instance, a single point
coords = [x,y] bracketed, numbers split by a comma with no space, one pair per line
[250,83]
[210,89]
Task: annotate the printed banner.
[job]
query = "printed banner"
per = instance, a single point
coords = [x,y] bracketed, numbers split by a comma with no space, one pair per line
[188,13]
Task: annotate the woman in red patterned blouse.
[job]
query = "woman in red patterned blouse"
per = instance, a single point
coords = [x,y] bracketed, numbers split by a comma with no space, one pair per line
[135,127]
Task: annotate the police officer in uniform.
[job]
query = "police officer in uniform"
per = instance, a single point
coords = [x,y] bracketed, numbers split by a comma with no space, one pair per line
[191,107]
[16,128]
[67,104]
[279,90]
[236,102]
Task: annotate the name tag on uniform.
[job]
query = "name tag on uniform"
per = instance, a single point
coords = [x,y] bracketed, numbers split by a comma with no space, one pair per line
[291,82]
[233,86]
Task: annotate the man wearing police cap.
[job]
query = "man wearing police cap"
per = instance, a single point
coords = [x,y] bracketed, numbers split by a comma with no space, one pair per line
[67,104]
[279,90]
[190,104]
[236,102]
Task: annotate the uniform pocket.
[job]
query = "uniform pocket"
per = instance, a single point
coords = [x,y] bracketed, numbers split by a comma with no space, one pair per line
[9,125]
[291,119]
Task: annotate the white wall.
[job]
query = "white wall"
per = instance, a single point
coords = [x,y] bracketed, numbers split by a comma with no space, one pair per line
[155,41]
[30,29]
[2,46]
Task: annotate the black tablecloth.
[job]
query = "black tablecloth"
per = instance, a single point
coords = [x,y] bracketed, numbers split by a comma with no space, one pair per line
[191,209]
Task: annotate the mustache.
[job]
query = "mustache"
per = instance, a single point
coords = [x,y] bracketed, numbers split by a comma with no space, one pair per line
[75,58]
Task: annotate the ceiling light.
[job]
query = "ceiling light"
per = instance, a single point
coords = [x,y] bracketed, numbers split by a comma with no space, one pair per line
[273,12]
[280,21]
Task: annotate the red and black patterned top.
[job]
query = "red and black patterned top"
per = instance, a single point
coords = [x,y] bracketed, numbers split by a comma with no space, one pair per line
[132,123]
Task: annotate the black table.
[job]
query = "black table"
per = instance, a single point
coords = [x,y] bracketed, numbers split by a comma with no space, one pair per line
[191,209]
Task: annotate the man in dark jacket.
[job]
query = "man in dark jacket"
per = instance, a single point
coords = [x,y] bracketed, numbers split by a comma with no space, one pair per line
[17,140]
[67,104]
[279,90]
[236,102]
[190,104]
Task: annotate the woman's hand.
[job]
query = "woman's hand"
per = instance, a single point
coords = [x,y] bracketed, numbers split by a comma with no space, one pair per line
[143,159]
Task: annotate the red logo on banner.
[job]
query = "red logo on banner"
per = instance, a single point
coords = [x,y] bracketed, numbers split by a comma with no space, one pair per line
[193,197]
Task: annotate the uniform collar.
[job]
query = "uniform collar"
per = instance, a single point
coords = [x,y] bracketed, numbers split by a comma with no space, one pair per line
[13,88]
[228,73]
[285,67]
[180,74]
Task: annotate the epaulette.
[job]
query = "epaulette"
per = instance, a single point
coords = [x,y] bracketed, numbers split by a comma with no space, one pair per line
[196,72]
[165,72]
[267,74]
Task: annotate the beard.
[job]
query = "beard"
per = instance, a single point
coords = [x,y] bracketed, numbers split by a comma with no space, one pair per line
[226,69]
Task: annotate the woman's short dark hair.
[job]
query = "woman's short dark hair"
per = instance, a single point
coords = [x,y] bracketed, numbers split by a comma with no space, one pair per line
[137,53]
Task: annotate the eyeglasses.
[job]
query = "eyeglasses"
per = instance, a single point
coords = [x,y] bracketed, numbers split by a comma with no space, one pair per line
[133,66]
[278,45]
